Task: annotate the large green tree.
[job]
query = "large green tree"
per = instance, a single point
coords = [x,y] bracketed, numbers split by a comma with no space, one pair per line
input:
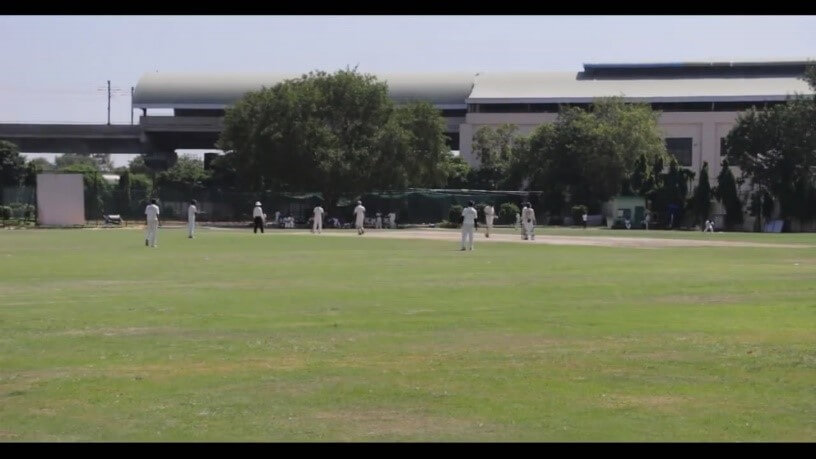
[670,192]
[589,155]
[124,193]
[137,166]
[68,160]
[776,150]
[12,165]
[496,149]
[186,175]
[42,164]
[338,133]
[701,200]
[727,193]
[457,173]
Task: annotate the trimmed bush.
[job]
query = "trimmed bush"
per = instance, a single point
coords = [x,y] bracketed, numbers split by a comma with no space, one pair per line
[455,214]
[507,213]
[5,213]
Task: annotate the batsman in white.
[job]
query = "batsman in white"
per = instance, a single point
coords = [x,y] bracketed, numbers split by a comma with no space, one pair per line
[469,216]
[191,216]
[152,214]
[528,220]
[317,226]
[359,213]
[490,214]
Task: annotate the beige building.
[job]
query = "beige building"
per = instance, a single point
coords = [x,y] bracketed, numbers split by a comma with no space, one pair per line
[699,102]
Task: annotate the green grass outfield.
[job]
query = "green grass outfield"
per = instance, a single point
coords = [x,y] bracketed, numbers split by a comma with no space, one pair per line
[241,337]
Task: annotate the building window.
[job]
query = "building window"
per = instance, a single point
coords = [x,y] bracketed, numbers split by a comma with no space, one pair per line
[454,113]
[680,148]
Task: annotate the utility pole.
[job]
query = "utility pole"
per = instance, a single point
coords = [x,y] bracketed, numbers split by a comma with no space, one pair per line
[108,102]
[131,105]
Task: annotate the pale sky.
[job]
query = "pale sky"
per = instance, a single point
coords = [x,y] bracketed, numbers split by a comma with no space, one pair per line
[56,67]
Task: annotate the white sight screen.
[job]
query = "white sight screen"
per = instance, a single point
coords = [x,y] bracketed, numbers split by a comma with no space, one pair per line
[60,199]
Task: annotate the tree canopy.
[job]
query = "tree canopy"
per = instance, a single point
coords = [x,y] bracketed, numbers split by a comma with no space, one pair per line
[776,151]
[338,133]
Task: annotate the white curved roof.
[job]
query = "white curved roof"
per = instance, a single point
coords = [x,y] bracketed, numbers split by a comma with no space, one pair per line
[455,90]
[565,87]
[216,91]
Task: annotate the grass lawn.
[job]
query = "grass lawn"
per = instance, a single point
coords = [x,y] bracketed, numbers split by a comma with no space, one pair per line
[241,337]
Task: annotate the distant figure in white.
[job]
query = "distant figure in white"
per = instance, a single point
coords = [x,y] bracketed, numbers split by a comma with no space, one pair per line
[518,221]
[709,226]
[152,214]
[528,220]
[277,217]
[191,216]
[378,221]
[646,220]
[490,214]
[317,225]
[258,217]
[469,216]
[392,220]
[359,213]
[584,218]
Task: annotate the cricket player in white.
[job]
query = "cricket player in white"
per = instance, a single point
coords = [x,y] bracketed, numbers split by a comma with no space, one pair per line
[191,216]
[490,214]
[392,220]
[520,221]
[359,213]
[469,216]
[317,226]
[378,221]
[152,214]
[258,217]
[528,220]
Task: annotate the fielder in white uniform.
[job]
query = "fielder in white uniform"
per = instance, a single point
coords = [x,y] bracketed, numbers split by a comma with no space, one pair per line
[469,216]
[528,220]
[378,221]
[317,226]
[152,214]
[520,221]
[490,214]
[191,216]
[392,220]
[359,213]
[709,226]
